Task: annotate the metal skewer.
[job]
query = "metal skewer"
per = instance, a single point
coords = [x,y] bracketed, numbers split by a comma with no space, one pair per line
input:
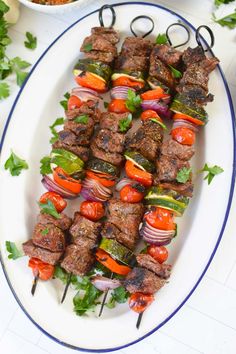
[66,288]
[34,285]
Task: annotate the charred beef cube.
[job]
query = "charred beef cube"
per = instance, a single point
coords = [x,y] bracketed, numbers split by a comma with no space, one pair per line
[49,237]
[112,231]
[64,222]
[126,217]
[173,149]
[148,262]
[108,33]
[97,55]
[161,72]
[144,281]
[136,46]
[81,151]
[132,63]
[79,128]
[111,121]
[147,140]
[83,227]
[167,54]
[97,42]
[77,260]
[196,94]
[185,189]
[88,108]
[69,138]
[41,253]
[193,55]
[110,141]
[168,168]
[113,158]
[86,243]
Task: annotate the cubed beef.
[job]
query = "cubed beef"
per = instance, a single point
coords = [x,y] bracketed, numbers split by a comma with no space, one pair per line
[136,46]
[79,128]
[196,94]
[109,33]
[144,281]
[111,121]
[49,236]
[98,43]
[173,149]
[64,222]
[77,260]
[111,231]
[110,141]
[131,63]
[193,55]
[81,151]
[83,227]
[113,158]
[71,139]
[97,55]
[167,54]
[185,189]
[148,262]
[44,255]
[89,108]
[168,168]
[161,72]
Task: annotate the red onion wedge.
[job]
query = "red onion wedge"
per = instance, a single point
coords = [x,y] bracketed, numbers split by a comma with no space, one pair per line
[94,191]
[156,236]
[182,123]
[52,186]
[85,94]
[103,283]
[160,107]
[120,92]
[123,182]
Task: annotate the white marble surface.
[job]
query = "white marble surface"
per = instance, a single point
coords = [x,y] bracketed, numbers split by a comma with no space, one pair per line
[207,323]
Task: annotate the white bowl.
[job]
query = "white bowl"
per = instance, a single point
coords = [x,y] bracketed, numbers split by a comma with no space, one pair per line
[53,9]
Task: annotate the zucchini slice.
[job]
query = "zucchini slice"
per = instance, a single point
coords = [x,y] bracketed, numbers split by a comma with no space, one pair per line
[117,250]
[98,165]
[140,161]
[181,104]
[99,68]
[117,75]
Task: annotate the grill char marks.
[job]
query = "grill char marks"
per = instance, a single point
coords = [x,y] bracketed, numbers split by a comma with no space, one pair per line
[44,255]
[144,281]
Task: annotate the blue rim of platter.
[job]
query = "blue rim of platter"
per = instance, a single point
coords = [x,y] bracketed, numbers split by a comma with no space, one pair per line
[226,212]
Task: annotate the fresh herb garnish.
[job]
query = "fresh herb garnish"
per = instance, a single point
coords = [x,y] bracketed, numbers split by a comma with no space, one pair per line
[119,295]
[228,21]
[49,208]
[64,103]
[183,175]
[124,124]
[4,90]
[133,101]
[86,297]
[58,121]
[161,38]
[88,47]
[15,164]
[45,231]
[31,42]
[220,2]
[45,167]
[83,119]
[158,122]
[106,104]
[176,73]
[62,275]
[14,253]
[212,172]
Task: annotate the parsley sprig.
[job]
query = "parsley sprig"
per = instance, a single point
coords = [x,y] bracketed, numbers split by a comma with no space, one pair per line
[183,175]
[14,252]
[49,208]
[124,124]
[118,295]
[15,164]
[64,103]
[226,21]
[31,41]
[83,119]
[45,167]
[212,172]
[58,122]
[161,38]
[133,101]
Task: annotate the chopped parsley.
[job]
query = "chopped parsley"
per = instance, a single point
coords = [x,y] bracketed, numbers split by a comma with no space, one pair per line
[226,21]
[118,295]
[220,2]
[58,121]
[176,73]
[14,252]
[31,41]
[88,47]
[161,38]
[133,101]
[183,175]
[124,124]
[45,231]
[64,103]
[106,104]
[49,208]
[212,172]
[83,119]
[45,167]
[15,164]
[4,90]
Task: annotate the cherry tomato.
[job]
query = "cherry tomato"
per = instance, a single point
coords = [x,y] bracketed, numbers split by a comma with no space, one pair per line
[138,302]
[105,259]
[117,106]
[159,253]
[74,102]
[64,180]
[138,175]
[92,210]
[130,194]
[126,81]
[148,114]
[92,81]
[184,136]
[104,178]
[41,269]
[59,203]
[186,117]
[160,218]
[154,94]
